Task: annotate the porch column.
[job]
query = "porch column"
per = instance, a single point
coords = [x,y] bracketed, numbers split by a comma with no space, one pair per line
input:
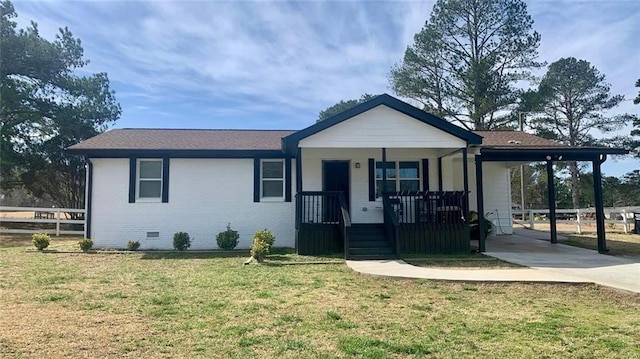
[552,201]
[599,203]
[465,177]
[299,170]
[480,200]
[383,190]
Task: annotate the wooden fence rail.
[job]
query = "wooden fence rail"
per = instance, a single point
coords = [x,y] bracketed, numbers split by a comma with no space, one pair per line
[579,217]
[41,215]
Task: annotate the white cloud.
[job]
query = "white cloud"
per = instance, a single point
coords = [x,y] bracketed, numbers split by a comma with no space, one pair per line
[278,64]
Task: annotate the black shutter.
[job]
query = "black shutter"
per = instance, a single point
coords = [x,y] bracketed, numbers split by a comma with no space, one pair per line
[287,179]
[132,179]
[439,173]
[425,174]
[372,179]
[165,179]
[256,180]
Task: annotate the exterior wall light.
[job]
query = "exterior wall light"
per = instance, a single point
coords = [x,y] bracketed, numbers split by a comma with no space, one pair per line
[357,164]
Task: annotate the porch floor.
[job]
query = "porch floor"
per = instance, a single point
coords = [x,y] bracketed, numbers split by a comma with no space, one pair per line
[547,263]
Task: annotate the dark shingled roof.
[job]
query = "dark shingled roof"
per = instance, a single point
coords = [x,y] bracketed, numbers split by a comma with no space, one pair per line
[514,139]
[194,139]
[183,139]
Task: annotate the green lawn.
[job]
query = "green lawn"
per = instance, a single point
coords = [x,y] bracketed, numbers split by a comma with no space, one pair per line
[200,305]
[619,244]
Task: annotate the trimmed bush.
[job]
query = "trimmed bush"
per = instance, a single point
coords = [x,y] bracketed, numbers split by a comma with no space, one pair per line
[181,241]
[40,240]
[262,242]
[85,244]
[228,239]
[133,245]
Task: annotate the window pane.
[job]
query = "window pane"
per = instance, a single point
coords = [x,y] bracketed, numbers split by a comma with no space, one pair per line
[408,169]
[409,185]
[391,187]
[272,189]
[272,169]
[151,169]
[391,169]
[150,189]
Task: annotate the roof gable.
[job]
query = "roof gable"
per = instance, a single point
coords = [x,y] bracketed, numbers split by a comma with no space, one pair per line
[290,143]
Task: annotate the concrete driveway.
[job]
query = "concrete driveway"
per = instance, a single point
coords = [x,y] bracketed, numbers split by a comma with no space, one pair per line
[527,248]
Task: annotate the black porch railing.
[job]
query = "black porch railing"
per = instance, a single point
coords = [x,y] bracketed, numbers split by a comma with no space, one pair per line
[391,223]
[322,222]
[442,207]
[427,222]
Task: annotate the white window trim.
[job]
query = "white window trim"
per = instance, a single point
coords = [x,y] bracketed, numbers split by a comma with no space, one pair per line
[397,179]
[262,179]
[138,180]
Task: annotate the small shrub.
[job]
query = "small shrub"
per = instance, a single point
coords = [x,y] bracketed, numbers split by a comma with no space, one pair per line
[133,245]
[85,244]
[265,236]
[40,240]
[228,239]
[181,241]
[262,242]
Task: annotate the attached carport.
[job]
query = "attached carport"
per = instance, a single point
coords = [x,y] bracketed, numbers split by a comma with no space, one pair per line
[595,155]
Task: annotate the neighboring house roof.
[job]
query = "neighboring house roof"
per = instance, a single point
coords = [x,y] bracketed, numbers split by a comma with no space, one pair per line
[290,143]
[514,139]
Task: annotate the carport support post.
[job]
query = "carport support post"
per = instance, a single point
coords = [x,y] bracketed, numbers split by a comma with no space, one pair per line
[480,200]
[597,191]
[552,202]
[465,175]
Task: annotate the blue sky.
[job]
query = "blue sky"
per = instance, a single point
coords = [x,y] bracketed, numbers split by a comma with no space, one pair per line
[275,65]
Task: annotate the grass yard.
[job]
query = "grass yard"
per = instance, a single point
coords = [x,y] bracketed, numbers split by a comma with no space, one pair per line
[200,305]
[620,244]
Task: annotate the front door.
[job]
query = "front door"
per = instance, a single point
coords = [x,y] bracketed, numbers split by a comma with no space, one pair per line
[335,177]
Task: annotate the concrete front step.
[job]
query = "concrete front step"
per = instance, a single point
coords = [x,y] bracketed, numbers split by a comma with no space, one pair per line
[370,257]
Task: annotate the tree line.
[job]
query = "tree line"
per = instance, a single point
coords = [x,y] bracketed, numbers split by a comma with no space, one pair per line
[46,107]
[468,63]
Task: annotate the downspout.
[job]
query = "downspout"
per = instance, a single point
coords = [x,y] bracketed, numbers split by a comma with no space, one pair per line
[88,198]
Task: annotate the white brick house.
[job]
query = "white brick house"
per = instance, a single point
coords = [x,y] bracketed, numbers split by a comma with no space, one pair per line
[146,184]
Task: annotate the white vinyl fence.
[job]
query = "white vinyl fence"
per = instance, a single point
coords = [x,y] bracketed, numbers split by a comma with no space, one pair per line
[613,216]
[11,218]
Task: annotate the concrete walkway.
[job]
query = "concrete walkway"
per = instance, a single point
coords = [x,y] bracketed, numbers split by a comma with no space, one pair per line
[547,263]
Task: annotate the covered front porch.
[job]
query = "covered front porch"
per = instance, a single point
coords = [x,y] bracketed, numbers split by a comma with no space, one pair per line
[382,179]
[431,222]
